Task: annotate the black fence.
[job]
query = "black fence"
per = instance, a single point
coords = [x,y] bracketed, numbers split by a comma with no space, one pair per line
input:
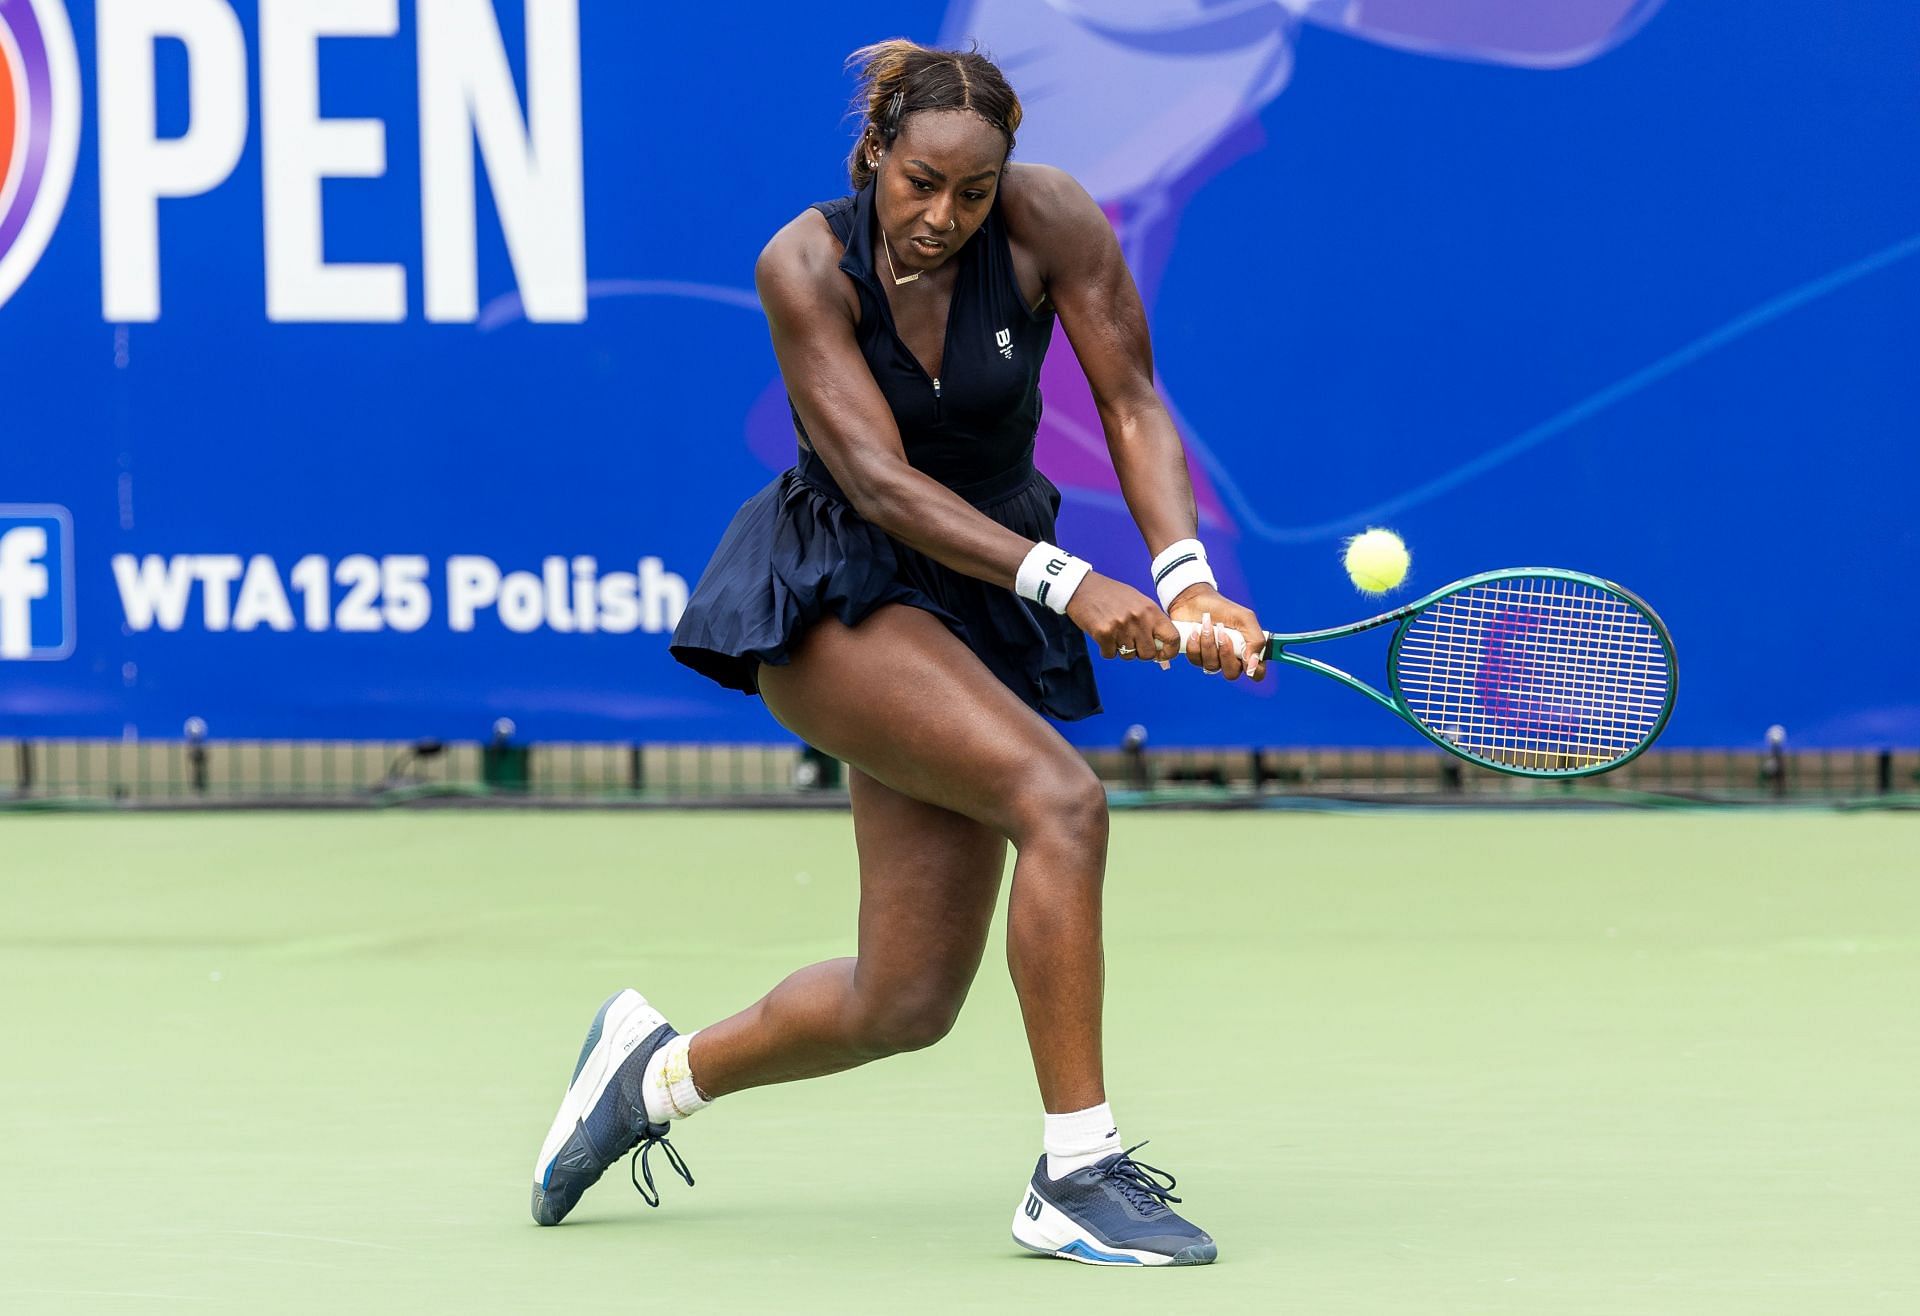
[161,774]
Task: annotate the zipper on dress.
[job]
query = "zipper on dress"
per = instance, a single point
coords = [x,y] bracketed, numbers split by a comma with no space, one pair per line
[936,401]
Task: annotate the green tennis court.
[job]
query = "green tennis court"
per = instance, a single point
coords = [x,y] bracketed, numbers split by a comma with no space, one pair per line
[1401,1062]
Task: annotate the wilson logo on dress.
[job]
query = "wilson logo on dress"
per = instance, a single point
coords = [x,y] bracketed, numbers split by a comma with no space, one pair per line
[1004,341]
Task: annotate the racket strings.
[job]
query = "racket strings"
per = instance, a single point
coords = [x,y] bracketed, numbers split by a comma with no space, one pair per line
[1536,673]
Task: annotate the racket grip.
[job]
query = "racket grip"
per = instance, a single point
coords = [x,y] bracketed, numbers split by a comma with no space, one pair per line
[1188,629]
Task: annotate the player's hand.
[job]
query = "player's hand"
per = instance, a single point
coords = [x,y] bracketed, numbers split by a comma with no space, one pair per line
[1212,652]
[1124,622]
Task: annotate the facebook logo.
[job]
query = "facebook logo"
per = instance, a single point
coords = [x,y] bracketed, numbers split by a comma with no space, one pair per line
[36,583]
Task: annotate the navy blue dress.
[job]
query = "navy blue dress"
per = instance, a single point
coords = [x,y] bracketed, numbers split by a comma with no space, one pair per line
[797,551]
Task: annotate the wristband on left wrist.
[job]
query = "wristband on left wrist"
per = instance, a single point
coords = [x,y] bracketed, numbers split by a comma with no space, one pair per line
[1179,567]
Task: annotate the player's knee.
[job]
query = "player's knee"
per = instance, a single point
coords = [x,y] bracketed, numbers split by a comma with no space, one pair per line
[908,1021]
[1065,804]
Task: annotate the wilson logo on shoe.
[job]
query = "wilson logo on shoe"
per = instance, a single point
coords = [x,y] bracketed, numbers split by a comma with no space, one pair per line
[1032,1207]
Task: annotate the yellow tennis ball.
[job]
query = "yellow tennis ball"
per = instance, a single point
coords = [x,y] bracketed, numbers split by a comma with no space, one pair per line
[1376,561]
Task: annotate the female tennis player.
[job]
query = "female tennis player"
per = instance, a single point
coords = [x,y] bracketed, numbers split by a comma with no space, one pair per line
[897,600]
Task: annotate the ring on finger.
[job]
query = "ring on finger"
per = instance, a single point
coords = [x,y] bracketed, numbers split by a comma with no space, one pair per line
[1125,651]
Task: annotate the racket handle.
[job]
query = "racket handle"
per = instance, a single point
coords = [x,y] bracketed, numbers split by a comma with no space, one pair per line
[1188,629]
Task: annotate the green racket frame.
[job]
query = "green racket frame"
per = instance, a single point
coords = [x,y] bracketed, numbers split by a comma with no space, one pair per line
[1279,646]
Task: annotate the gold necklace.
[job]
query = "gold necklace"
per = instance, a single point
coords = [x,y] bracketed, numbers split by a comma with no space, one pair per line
[888,248]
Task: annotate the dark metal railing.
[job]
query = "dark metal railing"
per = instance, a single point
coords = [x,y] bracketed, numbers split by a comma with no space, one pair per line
[149,773]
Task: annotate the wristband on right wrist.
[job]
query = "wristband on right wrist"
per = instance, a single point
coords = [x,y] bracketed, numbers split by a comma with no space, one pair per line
[1049,575]
[1180,566]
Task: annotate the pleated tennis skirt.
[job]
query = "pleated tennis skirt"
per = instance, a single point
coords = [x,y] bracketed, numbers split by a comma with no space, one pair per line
[797,552]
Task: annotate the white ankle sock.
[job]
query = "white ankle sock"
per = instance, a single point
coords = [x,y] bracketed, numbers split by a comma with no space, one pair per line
[667,1085]
[1079,1138]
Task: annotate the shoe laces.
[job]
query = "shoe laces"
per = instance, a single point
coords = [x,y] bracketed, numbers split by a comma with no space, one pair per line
[1140,1183]
[654,1135]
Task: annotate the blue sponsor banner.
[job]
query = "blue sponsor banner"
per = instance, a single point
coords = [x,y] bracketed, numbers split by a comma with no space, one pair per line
[383,369]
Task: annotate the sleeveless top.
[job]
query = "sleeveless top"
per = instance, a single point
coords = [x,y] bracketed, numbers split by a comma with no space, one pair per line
[798,552]
[977,421]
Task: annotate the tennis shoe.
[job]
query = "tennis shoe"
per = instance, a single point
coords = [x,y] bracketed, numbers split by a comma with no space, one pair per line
[604,1116]
[1114,1212]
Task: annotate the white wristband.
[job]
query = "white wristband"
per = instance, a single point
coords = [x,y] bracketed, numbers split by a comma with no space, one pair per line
[1180,566]
[1049,575]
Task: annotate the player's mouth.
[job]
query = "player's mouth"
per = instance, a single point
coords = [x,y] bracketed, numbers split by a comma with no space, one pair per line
[929,246]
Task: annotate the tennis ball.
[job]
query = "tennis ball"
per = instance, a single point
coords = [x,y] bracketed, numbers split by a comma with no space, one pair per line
[1376,561]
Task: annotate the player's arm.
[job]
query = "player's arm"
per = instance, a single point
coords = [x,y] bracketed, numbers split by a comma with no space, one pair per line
[1093,292]
[853,432]
[848,421]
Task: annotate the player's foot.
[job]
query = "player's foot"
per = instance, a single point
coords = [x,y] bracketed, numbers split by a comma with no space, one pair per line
[604,1115]
[1112,1213]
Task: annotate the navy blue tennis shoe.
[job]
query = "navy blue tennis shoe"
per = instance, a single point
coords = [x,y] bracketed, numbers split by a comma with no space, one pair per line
[604,1116]
[1112,1213]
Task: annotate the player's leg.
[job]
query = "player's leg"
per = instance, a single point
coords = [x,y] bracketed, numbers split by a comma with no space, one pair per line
[906,703]
[900,689]
[929,879]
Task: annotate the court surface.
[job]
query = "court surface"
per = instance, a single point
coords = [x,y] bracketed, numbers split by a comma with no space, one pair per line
[1401,1062]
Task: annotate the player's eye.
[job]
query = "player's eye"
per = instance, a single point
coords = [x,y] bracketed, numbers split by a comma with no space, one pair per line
[975,197]
[920,183]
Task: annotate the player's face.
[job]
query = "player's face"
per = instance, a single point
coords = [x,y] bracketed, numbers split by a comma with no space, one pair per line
[936,184]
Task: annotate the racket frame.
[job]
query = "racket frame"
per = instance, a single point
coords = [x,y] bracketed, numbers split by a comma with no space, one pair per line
[1279,645]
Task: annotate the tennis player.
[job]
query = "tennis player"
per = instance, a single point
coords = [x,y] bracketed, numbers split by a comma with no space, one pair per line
[897,600]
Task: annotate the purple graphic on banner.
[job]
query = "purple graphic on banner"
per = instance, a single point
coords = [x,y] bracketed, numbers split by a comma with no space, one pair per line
[1145,101]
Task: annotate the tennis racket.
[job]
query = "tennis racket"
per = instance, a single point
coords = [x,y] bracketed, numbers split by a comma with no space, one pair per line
[1532,671]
